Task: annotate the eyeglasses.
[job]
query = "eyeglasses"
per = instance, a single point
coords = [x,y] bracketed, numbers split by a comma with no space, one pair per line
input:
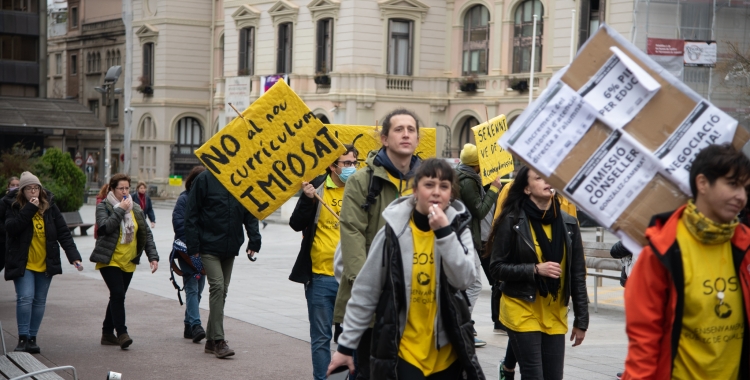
[122,188]
[348,164]
[32,188]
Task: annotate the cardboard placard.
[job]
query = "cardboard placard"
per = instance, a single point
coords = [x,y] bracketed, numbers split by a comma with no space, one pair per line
[494,161]
[263,157]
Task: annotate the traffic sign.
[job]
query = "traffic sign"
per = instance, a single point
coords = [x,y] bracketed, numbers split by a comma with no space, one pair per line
[79,161]
[90,160]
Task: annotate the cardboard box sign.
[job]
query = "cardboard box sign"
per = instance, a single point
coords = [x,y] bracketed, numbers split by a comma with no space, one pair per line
[616,133]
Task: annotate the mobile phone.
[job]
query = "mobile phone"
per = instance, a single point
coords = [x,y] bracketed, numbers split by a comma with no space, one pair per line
[78,266]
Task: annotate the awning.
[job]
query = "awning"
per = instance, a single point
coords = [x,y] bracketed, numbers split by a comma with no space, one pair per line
[48,114]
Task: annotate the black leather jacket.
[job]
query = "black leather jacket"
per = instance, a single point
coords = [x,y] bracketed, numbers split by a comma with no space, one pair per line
[514,257]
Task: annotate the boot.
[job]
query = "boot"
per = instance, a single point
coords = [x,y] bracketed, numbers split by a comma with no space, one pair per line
[198,333]
[209,348]
[188,333]
[222,350]
[109,339]
[32,347]
[23,342]
[124,340]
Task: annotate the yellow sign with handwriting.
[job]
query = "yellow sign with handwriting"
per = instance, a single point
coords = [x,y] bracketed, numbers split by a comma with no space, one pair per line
[494,161]
[367,138]
[263,157]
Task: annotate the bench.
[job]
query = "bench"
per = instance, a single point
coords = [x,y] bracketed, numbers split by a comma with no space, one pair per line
[598,258]
[22,365]
[73,220]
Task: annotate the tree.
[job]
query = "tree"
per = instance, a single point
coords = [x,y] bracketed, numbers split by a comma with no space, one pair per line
[60,175]
[736,73]
[15,161]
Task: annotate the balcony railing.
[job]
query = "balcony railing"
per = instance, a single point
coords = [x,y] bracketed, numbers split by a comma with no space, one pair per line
[399,83]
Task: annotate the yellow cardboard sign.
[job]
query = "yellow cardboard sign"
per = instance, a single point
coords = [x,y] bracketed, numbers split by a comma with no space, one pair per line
[367,138]
[493,159]
[263,158]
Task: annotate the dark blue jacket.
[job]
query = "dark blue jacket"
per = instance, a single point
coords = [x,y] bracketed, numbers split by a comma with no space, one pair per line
[178,216]
[148,209]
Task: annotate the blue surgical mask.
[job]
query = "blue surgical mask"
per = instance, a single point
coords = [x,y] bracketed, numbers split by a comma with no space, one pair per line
[345,173]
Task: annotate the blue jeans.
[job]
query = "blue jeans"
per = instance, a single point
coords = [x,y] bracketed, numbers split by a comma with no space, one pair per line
[193,291]
[31,298]
[321,296]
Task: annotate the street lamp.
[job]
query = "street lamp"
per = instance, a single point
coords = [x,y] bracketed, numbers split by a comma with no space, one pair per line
[108,92]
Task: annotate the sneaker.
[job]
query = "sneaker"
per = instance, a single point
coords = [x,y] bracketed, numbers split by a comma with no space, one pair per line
[188,333]
[23,342]
[619,376]
[109,339]
[198,333]
[479,343]
[124,340]
[222,350]
[31,346]
[503,374]
[209,348]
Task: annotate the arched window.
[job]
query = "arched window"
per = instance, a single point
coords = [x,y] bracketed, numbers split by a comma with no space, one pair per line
[189,135]
[476,41]
[147,130]
[117,62]
[108,58]
[466,135]
[323,118]
[89,64]
[523,27]
[98,65]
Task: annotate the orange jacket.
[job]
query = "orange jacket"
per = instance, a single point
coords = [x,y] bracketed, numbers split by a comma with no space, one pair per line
[653,319]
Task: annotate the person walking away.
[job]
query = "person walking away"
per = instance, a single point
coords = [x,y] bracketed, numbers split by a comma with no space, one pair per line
[687,299]
[480,204]
[36,230]
[193,286]
[314,265]
[12,185]
[123,236]
[414,276]
[213,229]
[537,253]
[144,201]
[388,176]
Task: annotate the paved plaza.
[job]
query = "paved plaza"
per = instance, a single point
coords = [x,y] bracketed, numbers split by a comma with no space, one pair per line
[266,320]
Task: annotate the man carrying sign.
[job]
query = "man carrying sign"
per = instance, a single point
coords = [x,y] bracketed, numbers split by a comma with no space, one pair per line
[213,229]
[314,265]
[480,204]
[388,176]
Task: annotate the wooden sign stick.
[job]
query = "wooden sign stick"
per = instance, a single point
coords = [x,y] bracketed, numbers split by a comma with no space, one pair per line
[486,114]
[238,112]
[327,207]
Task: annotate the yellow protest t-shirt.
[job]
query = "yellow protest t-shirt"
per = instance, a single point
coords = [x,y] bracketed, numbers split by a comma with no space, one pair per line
[37,261]
[404,186]
[124,253]
[418,346]
[710,344]
[544,314]
[327,231]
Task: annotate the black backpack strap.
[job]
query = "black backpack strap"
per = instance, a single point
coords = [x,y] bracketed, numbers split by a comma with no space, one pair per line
[173,267]
[374,188]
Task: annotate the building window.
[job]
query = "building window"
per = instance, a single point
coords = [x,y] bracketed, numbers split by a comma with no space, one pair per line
[29,6]
[476,40]
[466,136]
[109,59]
[324,64]
[58,64]
[523,30]
[247,51]
[73,64]
[89,63]
[592,14]
[113,112]
[221,57]
[117,61]
[94,107]
[400,46]
[148,64]
[284,49]
[18,48]
[73,17]
[189,132]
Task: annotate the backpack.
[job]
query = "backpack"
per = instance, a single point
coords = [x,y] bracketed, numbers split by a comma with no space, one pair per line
[179,249]
[373,189]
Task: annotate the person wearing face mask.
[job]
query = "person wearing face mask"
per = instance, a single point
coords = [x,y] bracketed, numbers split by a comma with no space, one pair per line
[314,265]
[12,185]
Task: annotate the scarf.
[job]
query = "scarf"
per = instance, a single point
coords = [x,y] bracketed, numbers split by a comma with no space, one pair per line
[706,230]
[142,200]
[127,228]
[551,250]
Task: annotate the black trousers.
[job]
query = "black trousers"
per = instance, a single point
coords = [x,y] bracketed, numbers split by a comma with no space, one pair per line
[540,356]
[496,293]
[410,372]
[117,281]
[363,356]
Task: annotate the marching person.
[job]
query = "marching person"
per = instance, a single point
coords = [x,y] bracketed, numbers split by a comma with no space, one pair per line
[213,228]
[36,230]
[193,287]
[314,265]
[480,204]
[123,236]
[538,255]
[144,201]
[12,185]
[687,298]
[414,276]
[389,175]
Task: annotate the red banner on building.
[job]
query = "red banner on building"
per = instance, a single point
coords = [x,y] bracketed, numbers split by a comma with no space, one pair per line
[665,46]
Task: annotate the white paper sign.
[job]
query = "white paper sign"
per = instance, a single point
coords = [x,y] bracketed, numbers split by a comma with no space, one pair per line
[547,134]
[611,178]
[706,125]
[238,93]
[619,90]
[700,53]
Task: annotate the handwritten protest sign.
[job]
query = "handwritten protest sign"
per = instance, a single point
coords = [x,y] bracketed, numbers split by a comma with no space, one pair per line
[263,158]
[494,161]
[367,138]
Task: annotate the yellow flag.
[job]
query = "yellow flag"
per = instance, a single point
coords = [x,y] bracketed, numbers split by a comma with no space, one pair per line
[493,159]
[263,158]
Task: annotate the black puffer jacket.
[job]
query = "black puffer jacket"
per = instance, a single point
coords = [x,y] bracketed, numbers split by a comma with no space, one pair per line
[20,231]
[108,221]
[514,258]
[304,219]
